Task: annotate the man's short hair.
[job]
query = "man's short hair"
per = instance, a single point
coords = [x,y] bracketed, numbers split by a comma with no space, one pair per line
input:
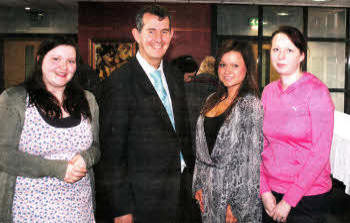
[157,10]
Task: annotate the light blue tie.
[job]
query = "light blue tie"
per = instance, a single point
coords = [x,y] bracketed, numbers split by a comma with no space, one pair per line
[158,85]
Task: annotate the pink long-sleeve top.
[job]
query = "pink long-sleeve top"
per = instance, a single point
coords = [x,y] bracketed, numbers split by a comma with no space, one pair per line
[298,131]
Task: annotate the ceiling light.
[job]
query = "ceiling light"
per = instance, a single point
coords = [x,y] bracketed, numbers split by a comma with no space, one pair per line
[283,13]
[27,8]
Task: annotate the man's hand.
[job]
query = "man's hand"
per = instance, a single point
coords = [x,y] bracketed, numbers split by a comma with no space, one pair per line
[76,169]
[269,202]
[124,219]
[281,211]
[199,198]
[230,218]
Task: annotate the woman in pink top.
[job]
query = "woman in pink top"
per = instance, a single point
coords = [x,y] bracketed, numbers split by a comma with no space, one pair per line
[298,126]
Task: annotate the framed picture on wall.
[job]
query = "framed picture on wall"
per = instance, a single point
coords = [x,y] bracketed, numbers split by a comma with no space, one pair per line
[107,55]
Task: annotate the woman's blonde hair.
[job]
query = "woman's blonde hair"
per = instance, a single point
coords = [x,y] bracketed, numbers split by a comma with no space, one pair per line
[207,65]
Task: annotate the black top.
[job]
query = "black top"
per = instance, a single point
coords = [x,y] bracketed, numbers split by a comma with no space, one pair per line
[212,126]
[68,122]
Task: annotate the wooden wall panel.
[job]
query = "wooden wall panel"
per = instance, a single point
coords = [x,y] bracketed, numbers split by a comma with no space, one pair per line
[191,23]
[14,60]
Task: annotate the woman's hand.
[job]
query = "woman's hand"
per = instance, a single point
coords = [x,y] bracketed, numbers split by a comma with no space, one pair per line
[199,198]
[281,211]
[76,169]
[230,218]
[269,202]
[124,219]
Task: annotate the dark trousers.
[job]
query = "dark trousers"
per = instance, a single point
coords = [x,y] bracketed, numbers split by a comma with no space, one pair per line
[189,211]
[310,209]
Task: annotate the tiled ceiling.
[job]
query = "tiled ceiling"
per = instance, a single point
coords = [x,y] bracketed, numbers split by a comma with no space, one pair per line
[42,4]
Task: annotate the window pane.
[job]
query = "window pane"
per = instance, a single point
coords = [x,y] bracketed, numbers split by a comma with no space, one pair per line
[237,20]
[327,22]
[327,61]
[267,68]
[277,16]
[338,100]
[265,64]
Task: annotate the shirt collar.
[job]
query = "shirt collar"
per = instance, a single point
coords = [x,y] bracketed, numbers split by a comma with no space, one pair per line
[146,66]
[292,87]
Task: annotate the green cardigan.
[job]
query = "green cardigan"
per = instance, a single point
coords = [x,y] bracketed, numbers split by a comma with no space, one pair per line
[15,163]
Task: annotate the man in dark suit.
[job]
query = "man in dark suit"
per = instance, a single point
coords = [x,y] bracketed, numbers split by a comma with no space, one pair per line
[144,131]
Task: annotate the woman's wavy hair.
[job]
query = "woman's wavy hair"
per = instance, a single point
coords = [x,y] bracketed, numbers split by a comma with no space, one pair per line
[249,84]
[74,100]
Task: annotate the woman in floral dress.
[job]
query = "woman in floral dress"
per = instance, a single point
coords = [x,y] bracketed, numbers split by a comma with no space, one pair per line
[48,142]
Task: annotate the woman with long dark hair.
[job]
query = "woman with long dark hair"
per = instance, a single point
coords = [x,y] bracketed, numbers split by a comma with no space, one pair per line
[48,142]
[229,141]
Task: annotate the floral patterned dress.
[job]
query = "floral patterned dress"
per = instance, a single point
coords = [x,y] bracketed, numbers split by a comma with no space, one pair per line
[49,199]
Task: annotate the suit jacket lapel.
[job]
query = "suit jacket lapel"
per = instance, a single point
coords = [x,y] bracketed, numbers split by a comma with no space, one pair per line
[173,90]
[144,82]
